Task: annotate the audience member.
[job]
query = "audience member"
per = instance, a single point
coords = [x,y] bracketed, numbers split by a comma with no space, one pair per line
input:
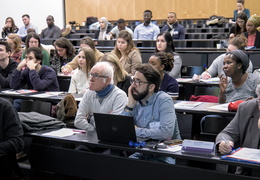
[7,65]
[33,40]
[239,27]
[242,131]
[104,28]
[241,85]
[28,31]
[9,28]
[102,96]
[80,78]
[36,76]
[64,53]
[15,42]
[216,68]
[120,27]
[164,43]
[153,111]
[52,31]
[11,138]
[252,34]
[240,8]
[26,21]
[147,30]
[129,56]
[177,31]
[85,42]
[163,62]
[121,77]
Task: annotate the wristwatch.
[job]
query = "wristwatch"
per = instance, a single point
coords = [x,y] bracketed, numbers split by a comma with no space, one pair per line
[129,108]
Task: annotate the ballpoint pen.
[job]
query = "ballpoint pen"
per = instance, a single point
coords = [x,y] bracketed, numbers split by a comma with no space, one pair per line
[224,139]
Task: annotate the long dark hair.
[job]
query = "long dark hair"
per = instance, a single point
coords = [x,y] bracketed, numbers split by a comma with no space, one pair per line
[238,29]
[168,38]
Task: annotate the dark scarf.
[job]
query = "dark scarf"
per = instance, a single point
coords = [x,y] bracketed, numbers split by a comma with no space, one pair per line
[103,93]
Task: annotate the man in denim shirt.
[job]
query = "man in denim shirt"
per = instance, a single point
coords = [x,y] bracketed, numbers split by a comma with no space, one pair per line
[153,111]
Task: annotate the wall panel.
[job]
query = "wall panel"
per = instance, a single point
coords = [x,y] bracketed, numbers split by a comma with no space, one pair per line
[133,9]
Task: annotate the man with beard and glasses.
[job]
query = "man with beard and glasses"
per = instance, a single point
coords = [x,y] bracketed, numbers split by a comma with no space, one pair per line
[153,110]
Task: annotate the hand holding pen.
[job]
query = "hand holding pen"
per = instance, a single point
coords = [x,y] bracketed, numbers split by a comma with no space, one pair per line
[225,146]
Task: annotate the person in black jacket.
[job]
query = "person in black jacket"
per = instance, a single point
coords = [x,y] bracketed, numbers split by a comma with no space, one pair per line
[7,65]
[252,34]
[11,138]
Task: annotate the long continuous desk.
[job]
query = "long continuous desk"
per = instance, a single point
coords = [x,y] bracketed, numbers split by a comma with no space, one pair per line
[58,156]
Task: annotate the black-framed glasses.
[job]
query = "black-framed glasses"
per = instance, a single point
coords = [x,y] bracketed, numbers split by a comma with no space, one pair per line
[96,76]
[138,82]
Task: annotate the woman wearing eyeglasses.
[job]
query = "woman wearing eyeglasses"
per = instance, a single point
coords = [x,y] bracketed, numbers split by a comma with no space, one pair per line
[64,53]
[80,78]
[33,40]
[239,27]
[9,28]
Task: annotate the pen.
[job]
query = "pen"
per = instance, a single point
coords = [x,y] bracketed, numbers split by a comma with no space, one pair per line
[224,139]
[206,69]
[79,131]
[155,146]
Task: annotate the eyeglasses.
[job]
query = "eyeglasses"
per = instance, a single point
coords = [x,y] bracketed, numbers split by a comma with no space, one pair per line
[33,42]
[96,76]
[240,22]
[138,82]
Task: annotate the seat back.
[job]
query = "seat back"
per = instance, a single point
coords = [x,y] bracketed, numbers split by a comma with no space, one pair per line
[206,90]
[211,126]
[185,125]
[191,70]
[36,106]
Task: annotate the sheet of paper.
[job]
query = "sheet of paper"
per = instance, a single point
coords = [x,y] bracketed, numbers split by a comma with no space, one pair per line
[222,107]
[210,80]
[184,79]
[62,132]
[187,104]
[173,148]
[247,154]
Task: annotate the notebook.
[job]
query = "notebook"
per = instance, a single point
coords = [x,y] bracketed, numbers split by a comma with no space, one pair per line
[115,128]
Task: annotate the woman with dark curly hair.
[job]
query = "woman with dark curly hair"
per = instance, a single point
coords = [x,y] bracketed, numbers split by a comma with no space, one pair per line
[64,53]
[9,28]
[33,40]
[162,62]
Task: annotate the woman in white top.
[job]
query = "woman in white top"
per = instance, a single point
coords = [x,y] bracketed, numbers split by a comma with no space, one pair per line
[80,80]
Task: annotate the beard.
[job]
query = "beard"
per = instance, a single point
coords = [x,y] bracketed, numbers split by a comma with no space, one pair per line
[140,96]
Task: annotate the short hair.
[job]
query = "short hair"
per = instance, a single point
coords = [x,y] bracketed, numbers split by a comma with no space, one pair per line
[51,17]
[166,59]
[89,42]
[66,44]
[168,38]
[7,46]
[107,70]
[151,75]
[239,42]
[173,13]
[36,51]
[121,21]
[90,59]
[26,15]
[241,1]
[147,10]
[17,41]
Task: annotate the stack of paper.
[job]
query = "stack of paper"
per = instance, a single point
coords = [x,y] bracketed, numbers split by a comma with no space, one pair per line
[187,104]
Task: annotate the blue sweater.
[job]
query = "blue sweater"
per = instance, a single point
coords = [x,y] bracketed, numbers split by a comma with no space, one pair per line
[44,80]
[169,84]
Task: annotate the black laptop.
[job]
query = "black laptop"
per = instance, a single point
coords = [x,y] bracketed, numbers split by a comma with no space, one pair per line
[115,128]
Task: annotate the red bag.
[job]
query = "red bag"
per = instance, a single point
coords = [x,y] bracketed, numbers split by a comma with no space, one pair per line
[233,106]
[204,98]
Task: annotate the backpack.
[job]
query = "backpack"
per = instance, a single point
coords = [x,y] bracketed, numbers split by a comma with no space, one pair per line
[66,109]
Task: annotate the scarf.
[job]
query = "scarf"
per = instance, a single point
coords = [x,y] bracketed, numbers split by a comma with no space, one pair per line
[103,93]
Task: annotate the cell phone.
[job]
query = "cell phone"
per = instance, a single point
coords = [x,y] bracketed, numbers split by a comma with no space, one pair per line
[172,142]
